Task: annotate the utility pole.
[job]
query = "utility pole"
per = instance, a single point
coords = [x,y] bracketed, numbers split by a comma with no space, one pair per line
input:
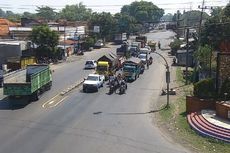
[187,52]
[167,77]
[201,17]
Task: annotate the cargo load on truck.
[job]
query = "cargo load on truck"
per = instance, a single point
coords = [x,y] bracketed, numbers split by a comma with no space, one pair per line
[132,68]
[120,38]
[142,39]
[152,45]
[29,82]
[15,63]
[123,50]
[108,65]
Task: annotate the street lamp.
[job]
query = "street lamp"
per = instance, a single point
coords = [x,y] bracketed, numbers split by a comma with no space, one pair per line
[167,77]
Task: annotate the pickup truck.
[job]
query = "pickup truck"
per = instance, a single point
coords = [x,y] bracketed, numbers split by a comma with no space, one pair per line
[93,82]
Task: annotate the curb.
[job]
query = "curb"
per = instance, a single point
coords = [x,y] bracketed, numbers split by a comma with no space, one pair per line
[77,84]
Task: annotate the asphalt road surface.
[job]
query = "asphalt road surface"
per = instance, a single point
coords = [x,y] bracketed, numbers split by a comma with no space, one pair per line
[89,122]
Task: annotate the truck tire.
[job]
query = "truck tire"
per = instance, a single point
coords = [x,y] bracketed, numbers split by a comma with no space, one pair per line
[48,86]
[35,96]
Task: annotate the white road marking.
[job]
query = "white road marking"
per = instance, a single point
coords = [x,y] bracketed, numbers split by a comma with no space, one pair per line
[49,101]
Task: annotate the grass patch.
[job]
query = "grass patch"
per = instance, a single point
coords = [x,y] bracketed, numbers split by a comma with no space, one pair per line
[175,118]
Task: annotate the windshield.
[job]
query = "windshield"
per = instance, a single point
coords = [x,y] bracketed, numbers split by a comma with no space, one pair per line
[142,56]
[92,78]
[89,62]
[102,68]
[128,68]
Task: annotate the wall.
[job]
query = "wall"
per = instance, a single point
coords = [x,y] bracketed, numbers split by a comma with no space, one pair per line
[194,104]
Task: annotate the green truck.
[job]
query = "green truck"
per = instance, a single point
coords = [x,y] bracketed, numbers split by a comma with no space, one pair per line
[29,82]
[132,68]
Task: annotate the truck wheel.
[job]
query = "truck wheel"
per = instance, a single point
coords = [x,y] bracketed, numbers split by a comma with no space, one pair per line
[35,96]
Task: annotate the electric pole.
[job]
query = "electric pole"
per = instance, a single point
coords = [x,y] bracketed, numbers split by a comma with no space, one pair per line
[187,52]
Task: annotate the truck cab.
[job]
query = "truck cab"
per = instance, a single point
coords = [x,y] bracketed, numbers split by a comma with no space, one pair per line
[103,69]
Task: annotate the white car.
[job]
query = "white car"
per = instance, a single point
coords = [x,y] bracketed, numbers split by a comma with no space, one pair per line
[143,57]
[93,82]
[90,64]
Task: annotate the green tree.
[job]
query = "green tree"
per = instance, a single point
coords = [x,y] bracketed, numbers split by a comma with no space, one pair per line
[46,13]
[12,16]
[143,11]
[46,39]
[126,23]
[106,22]
[204,55]
[217,28]
[28,15]
[192,18]
[77,12]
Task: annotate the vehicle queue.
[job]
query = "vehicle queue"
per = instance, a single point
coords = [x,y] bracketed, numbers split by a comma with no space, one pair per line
[116,70]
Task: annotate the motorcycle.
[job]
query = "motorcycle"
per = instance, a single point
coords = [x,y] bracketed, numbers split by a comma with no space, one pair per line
[122,88]
[113,86]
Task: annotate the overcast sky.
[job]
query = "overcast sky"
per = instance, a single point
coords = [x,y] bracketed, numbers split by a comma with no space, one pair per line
[113,6]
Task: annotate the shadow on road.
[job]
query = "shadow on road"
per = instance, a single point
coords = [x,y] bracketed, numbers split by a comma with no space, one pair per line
[12,104]
[132,113]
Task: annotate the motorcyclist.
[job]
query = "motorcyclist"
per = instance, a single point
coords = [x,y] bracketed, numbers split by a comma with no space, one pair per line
[123,85]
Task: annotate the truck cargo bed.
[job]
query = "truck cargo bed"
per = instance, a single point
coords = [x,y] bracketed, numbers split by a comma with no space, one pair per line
[18,77]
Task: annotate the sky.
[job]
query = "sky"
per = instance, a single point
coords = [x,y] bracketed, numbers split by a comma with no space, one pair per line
[112,6]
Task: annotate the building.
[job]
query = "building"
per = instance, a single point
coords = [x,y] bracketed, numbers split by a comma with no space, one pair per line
[181,58]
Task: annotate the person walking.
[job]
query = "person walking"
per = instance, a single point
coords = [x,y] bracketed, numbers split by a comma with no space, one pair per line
[159,45]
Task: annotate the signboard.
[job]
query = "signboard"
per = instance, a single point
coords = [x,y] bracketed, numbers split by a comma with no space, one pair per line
[96,29]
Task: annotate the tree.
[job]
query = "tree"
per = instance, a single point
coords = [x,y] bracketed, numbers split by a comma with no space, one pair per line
[204,56]
[143,11]
[46,39]
[217,29]
[192,18]
[46,13]
[28,15]
[106,22]
[126,24]
[77,12]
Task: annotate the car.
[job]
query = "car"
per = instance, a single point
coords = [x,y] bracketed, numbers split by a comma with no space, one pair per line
[93,82]
[90,64]
[143,57]
[99,44]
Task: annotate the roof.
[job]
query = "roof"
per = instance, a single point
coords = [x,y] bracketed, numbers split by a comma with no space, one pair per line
[4,26]
[106,58]
[133,60]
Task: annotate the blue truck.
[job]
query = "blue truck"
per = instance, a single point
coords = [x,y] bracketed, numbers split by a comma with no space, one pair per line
[132,68]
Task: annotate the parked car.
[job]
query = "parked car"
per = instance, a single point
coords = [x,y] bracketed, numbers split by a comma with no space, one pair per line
[90,64]
[99,44]
[93,82]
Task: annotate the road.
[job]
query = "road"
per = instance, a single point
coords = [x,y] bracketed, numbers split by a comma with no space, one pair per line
[89,122]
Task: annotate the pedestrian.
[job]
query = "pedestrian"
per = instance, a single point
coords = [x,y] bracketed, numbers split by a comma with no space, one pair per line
[159,45]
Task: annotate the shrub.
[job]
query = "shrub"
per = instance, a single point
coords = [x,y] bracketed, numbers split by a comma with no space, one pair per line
[205,89]
[175,45]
